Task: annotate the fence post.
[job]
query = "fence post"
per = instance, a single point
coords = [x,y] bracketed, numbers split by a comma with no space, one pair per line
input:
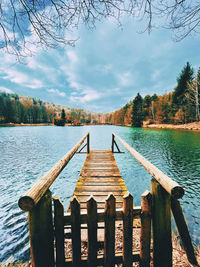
[59,232]
[183,230]
[92,231]
[112,145]
[127,230]
[41,232]
[88,143]
[145,237]
[109,232]
[76,231]
[161,219]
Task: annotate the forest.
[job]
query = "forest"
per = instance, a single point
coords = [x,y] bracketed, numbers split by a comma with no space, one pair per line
[26,110]
[182,105]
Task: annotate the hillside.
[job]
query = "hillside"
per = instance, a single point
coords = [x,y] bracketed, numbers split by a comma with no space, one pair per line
[23,109]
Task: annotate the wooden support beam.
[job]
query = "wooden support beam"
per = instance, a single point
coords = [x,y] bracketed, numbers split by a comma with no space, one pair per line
[59,231]
[92,231]
[145,237]
[127,229]
[88,143]
[161,219]
[41,233]
[109,232]
[76,231]
[183,230]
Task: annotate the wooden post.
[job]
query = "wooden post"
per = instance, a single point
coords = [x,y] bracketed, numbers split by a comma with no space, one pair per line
[127,229]
[59,232]
[92,231]
[41,232]
[145,237]
[109,233]
[112,145]
[76,231]
[88,143]
[161,219]
[183,230]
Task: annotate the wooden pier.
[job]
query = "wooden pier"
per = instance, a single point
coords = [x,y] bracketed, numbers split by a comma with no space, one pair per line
[101,200]
[99,177]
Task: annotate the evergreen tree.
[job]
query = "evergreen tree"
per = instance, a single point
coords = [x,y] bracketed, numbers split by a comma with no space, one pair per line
[63,116]
[184,78]
[137,111]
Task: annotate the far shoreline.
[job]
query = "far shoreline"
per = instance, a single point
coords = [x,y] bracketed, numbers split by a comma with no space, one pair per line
[193,126]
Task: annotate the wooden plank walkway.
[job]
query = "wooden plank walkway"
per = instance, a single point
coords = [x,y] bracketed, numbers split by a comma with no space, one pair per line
[99,177]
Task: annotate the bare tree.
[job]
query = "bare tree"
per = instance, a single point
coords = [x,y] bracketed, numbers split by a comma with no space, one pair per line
[25,24]
[193,95]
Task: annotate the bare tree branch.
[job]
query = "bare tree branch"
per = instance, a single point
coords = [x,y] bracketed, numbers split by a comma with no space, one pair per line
[47,23]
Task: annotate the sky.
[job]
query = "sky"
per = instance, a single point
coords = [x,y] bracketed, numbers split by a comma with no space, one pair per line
[105,70]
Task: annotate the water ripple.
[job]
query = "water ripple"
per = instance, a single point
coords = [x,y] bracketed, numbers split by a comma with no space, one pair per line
[28,152]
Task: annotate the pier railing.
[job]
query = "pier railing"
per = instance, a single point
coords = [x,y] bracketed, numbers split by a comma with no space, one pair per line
[38,202]
[47,233]
[165,194]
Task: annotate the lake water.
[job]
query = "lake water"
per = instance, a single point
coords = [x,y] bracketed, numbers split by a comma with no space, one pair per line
[26,153]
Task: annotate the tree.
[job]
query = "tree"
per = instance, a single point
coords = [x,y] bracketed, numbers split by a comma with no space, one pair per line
[137,111]
[185,77]
[27,24]
[63,116]
[193,94]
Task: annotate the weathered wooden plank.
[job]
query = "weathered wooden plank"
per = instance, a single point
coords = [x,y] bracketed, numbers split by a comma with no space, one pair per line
[98,193]
[76,231]
[161,221]
[100,205]
[99,177]
[59,231]
[145,237]
[97,173]
[183,230]
[109,232]
[41,232]
[127,230]
[99,199]
[92,232]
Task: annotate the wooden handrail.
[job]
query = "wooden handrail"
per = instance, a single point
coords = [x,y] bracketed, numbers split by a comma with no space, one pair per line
[32,197]
[173,188]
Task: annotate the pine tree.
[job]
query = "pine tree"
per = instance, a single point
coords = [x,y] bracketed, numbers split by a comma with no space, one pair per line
[63,116]
[186,76]
[137,111]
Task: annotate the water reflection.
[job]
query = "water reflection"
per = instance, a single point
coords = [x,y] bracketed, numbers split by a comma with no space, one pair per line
[26,153]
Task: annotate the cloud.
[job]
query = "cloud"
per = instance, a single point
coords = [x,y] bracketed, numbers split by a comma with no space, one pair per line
[56,92]
[72,56]
[6,90]
[125,79]
[21,78]
[87,96]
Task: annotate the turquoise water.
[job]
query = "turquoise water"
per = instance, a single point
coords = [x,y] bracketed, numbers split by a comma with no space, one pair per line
[26,153]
